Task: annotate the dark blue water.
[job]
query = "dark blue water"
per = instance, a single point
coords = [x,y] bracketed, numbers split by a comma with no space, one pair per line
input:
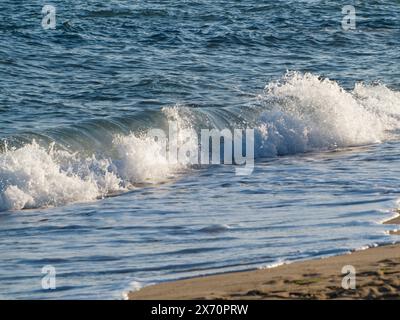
[73,100]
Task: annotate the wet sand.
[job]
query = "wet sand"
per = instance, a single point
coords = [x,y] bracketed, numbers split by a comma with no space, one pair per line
[377,277]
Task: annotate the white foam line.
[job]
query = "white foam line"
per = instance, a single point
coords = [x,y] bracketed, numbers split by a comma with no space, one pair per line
[395,215]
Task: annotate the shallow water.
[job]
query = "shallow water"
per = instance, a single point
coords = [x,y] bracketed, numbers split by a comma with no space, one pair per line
[74,101]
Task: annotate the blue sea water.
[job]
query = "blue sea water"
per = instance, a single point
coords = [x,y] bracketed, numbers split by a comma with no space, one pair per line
[83,190]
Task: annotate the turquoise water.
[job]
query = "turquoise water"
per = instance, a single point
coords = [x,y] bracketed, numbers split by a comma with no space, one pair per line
[83,190]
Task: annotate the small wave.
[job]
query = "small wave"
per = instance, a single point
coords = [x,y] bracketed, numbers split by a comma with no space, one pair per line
[133,286]
[215,228]
[109,13]
[276,264]
[308,114]
[298,113]
[33,177]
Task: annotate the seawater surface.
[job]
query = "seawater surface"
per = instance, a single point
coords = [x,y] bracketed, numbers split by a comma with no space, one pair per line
[85,190]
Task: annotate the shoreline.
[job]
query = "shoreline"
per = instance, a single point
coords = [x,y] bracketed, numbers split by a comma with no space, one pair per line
[377,277]
[394,221]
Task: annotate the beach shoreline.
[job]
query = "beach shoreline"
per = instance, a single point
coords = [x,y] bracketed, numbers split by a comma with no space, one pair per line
[377,276]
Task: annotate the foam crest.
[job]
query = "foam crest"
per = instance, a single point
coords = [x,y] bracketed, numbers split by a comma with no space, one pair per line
[300,113]
[31,177]
[142,159]
[306,113]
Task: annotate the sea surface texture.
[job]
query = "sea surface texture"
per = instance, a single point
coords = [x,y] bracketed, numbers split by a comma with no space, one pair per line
[88,199]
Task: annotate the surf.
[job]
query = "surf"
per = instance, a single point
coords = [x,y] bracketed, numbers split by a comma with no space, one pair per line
[298,113]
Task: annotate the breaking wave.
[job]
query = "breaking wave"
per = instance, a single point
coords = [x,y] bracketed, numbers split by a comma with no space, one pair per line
[299,113]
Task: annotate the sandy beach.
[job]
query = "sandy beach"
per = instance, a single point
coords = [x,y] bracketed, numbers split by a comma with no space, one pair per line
[377,277]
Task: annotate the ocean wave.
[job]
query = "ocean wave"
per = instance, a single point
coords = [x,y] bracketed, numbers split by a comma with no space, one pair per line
[33,176]
[298,113]
[307,113]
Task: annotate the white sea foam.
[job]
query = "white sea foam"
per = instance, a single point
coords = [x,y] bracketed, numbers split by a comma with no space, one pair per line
[308,113]
[142,159]
[133,286]
[303,113]
[276,264]
[33,176]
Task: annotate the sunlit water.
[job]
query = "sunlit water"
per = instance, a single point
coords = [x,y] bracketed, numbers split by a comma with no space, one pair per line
[82,190]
